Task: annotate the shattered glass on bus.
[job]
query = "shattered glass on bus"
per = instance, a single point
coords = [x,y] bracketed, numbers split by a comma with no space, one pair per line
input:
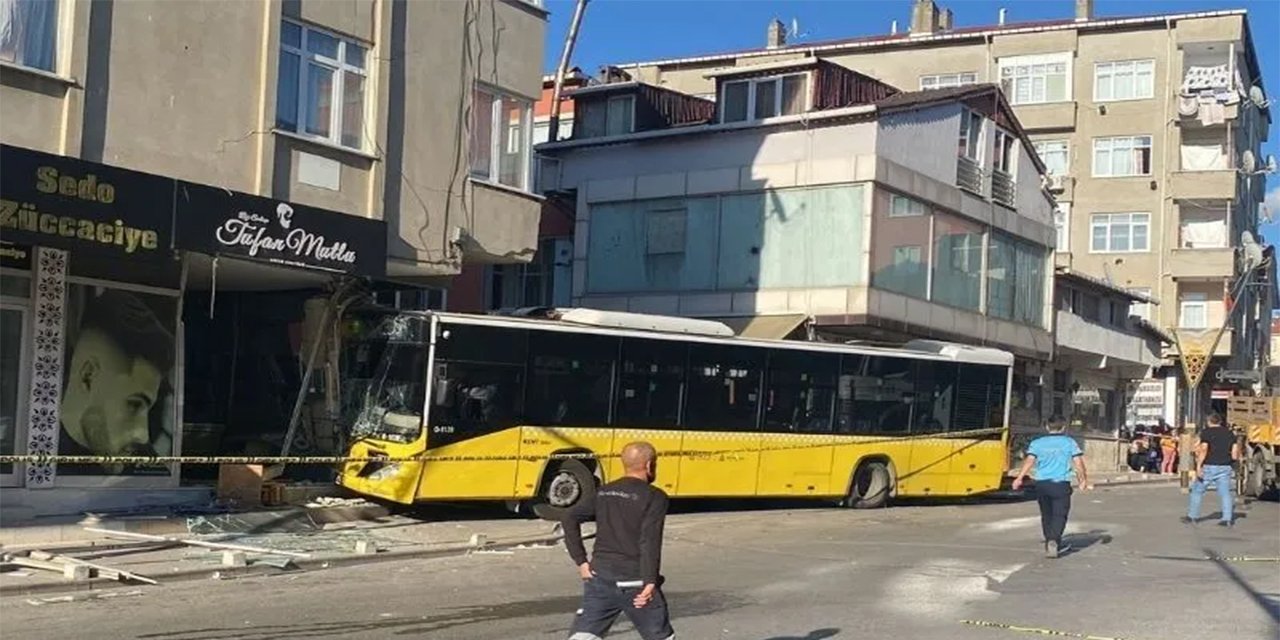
[394,387]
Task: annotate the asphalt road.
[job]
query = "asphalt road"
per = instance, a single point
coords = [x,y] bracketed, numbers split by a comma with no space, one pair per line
[778,574]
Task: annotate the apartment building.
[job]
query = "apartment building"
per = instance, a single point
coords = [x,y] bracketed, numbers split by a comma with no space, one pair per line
[813,202]
[225,177]
[1143,124]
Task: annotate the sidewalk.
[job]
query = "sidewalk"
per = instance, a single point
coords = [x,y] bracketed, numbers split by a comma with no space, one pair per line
[337,544]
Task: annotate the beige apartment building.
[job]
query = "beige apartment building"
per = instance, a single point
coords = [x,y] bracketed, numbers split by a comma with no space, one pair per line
[1143,124]
[205,187]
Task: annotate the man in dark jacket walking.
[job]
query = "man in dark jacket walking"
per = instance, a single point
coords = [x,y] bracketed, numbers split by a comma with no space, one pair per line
[623,573]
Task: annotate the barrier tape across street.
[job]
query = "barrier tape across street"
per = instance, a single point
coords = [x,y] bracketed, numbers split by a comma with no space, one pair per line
[161,460]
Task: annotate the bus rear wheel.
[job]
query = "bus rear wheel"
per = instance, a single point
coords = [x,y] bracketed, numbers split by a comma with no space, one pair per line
[566,485]
[872,484]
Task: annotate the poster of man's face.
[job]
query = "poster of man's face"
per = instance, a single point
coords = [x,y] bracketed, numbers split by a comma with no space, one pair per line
[117,392]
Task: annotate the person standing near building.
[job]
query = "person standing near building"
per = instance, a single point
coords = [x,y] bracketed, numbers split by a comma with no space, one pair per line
[1216,452]
[1052,457]
[623,574]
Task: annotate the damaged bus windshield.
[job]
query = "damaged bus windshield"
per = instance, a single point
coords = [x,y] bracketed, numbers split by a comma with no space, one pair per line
[394,399]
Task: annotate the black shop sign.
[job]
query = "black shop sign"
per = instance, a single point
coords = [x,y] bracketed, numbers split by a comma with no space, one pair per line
[223,222]
[57,201]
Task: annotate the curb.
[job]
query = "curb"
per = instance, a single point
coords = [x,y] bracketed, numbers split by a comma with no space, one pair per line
[298,566]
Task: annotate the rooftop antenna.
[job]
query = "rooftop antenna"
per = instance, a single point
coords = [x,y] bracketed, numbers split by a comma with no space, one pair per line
[795,30]
[1004,13]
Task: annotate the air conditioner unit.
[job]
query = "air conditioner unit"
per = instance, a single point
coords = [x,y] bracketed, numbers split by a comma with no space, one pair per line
[1057,182]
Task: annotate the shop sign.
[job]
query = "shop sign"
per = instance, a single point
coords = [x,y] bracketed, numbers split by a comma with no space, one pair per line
[57,201]
[15,256]
[224,222]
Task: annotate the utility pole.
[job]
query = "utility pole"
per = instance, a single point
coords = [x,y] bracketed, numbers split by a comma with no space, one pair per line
[553,128]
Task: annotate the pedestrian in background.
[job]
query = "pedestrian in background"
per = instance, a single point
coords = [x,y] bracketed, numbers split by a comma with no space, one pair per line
[1215,455]
[1052,457]
[1168,451]
[623,574]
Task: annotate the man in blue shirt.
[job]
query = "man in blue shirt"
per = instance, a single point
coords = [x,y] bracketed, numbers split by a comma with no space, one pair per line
[1053,456]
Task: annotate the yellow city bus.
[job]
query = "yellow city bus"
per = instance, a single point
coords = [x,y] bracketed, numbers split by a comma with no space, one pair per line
[534,412]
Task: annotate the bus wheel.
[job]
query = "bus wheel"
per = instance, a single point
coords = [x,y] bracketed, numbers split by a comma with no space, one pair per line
[871,486]
[566,485]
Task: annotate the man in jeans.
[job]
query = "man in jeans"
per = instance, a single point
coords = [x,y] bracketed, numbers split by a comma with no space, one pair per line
[1053,456]
[1215,454]
[623,574]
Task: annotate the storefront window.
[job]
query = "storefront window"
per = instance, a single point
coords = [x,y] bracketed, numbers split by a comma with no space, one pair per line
[117,398]
[14,293]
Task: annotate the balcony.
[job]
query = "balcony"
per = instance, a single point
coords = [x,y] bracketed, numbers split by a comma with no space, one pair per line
[969,176]
[1003,188]
[1108,345]
[1051,116]
[1203,185]
[1188,264]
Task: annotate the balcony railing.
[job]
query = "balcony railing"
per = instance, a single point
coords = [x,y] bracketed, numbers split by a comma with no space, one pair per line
[1002,188]
[969,175]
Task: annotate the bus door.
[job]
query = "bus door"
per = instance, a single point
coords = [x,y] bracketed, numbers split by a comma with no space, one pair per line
[647,405]
[720,445]
[476,395]
[795,446]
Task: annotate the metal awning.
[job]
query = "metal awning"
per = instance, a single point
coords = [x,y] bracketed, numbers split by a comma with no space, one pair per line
[775,327]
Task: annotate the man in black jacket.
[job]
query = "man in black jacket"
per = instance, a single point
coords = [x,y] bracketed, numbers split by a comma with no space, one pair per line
[623,574]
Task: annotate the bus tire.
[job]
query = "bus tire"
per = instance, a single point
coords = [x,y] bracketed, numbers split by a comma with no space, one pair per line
[871,486]
[565,485]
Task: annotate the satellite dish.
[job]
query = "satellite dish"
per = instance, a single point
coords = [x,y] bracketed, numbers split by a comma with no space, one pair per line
[1252,251]
[1258,98]
[1271,164]
[1248,162]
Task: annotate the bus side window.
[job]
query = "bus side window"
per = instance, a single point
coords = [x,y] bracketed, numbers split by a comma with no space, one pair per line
[799,391]
[876,394]
[724,387]
[935,396]
[650,384]
[479,378]
[980,396]
[570,378]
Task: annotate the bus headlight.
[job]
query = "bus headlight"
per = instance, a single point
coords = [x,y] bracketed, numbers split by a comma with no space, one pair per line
[386,471]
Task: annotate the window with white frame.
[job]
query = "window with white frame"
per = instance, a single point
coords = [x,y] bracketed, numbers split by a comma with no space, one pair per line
[542,130]
[1120,232]
[29,33]
[940,80]
[743,100]
[971,135]
[1141,309]
[904,207]
[1123,80]
[1006,151]
[1055,154]
[500,138]
[1036,79]
[320,89]
[1062,227]
[1193,310]
[1122,156]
